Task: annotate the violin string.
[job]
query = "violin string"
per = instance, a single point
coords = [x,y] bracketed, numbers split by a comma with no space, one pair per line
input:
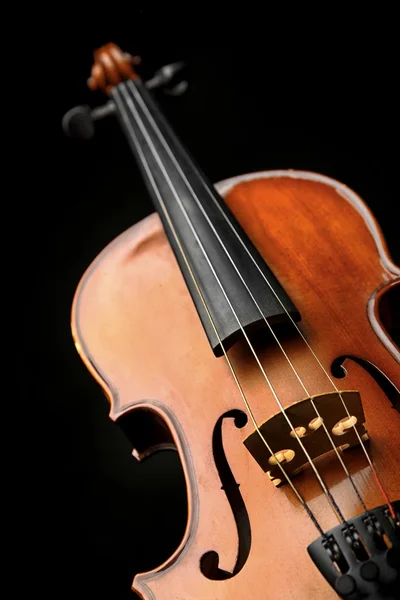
[145,134]
[162,139]
[372,466]
[128,125]
[374,471]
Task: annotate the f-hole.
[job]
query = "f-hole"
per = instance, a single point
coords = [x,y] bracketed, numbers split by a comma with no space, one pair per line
[209,562]
[391,391]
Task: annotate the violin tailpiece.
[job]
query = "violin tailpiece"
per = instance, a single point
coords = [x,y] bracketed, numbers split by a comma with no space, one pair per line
[360,559]
[282,440]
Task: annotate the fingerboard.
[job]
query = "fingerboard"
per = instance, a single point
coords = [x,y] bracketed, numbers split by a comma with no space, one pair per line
[214,254]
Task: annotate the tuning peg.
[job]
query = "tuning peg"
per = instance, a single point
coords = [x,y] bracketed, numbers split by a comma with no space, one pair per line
[171,77]
[79,121]
[179,89]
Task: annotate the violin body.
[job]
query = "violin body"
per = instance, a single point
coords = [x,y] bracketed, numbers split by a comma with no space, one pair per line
[138,332]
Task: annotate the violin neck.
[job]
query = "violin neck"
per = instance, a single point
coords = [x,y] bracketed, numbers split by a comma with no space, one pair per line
[207,241]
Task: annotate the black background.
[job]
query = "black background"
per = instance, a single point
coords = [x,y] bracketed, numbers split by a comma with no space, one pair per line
[106,516]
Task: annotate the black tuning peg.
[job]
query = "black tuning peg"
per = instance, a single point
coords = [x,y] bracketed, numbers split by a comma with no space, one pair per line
[172,78]
[79,121]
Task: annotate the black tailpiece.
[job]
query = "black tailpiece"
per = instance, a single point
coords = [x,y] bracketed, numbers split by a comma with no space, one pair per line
[362,558]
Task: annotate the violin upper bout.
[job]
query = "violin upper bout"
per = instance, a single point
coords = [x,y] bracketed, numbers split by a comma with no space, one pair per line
[384,317]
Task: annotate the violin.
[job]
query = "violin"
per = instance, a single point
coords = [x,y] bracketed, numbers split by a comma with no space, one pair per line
[249,325]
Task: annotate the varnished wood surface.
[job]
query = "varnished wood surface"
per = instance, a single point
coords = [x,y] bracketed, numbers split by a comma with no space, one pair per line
[111,66]
[139,334]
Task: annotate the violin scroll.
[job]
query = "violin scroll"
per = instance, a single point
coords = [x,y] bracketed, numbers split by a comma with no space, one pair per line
[111,67]
[112,64]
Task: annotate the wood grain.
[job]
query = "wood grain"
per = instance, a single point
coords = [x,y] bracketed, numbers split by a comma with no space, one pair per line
[138,333]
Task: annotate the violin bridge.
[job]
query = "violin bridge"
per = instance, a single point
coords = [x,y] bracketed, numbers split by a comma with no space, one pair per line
[302,415]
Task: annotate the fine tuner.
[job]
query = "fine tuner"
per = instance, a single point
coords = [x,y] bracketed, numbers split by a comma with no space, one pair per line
[79,121]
